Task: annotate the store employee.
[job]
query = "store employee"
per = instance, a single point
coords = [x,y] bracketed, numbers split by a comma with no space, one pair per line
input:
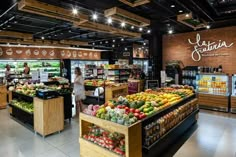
[26,69]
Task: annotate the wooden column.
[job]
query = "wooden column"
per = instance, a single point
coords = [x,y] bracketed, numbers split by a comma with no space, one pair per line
[3,97]
[48,115]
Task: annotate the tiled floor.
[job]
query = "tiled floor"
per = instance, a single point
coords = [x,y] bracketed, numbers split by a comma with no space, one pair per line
[214,136]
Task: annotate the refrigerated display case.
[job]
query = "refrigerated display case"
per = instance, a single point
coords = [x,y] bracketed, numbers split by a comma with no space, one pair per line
[213,91]
[82,65]
[189,75]
[50,66]
[233,95]
[143,65]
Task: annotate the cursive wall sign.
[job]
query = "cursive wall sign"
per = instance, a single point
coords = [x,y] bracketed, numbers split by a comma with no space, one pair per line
[201,47]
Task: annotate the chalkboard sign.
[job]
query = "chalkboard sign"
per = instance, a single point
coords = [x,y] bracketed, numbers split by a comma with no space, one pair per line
[152,84]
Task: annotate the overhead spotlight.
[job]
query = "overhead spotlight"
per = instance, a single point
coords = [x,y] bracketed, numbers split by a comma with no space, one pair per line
[93,43]
[106,42]
[113,45]
[140,29]
[42,38]
[148,31]
[95,16]
[74,11]
[187,15]
[180,11]
[122,39]
[55,35]
[15,22]
[69,31]
[101,42]
[123,24]
[8,26]
[144,44]
[170,31]
[208,26]
[113,40]
[109,20]
[172,6]
[132,27]
[126,49]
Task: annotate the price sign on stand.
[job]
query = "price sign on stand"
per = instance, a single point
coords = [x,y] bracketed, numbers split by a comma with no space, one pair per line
[35,75]
[43,76]
[133,87]
[152,84]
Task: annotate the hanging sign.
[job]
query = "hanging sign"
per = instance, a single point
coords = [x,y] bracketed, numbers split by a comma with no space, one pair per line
[200,48]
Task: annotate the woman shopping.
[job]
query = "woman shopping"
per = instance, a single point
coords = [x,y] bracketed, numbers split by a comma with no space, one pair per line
[79,90]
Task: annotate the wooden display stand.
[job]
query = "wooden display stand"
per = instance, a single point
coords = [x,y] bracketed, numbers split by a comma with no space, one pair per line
[3,97]
[213,102]
[133,142]
[114,92]
[48,115]
[135,86]
[233,104]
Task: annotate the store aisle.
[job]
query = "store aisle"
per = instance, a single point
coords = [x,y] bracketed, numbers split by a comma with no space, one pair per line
[214,136]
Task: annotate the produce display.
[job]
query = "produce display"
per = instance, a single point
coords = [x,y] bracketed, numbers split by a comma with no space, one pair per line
[115,142]
[159,127]
[61,80]
[26,106]
[29,89]
[128,110]
[97,83]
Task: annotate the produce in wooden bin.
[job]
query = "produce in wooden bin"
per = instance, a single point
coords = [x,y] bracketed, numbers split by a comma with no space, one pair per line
[115,142]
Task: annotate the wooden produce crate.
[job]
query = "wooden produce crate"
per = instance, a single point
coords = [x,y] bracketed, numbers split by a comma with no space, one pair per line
[3,97]
[213,102]
[114,92]
[48,115]
[233,104]
[133,142]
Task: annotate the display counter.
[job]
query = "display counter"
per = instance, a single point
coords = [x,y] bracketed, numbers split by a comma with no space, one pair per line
[3,96]
[213,91]
[135,86]
[148,137]
[115,91]
[48,115]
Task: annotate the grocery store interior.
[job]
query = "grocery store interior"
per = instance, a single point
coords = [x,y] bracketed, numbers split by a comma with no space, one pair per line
[117,78]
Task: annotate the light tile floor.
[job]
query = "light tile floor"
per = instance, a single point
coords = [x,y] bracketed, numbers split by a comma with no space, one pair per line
[214,136]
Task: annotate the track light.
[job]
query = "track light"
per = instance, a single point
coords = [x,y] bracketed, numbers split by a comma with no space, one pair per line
[74,11]
[95,16]
[170,31]
[109,20]
[123,24]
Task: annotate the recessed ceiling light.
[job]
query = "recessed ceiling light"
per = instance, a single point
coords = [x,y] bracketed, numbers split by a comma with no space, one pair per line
[144,44]
[180,11]
[95,16]
[114,40]
[126,49]
[170,31]
[208,26]
[140,29]
[132,27]
[109,20]
[148,31]
[122,39]
[187,15]
[74,11]
[42,38]
[93,43]
[123,24]
[172,6]
[113,45]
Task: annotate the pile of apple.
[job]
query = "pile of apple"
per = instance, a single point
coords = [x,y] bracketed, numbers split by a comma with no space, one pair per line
[112,141]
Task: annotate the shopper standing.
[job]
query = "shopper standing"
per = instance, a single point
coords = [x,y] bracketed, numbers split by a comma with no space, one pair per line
[79,90]
[26,69]
[8,71]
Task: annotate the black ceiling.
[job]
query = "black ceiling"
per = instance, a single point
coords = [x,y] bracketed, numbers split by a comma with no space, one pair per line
[218,13]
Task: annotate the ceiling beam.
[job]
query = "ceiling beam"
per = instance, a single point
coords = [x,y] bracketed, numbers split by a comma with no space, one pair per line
[16,35]
[44,9]
[98,27]
[135,3]
[126,16]
[73,42]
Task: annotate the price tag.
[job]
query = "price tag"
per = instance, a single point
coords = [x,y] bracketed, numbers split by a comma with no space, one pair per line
[35,75]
